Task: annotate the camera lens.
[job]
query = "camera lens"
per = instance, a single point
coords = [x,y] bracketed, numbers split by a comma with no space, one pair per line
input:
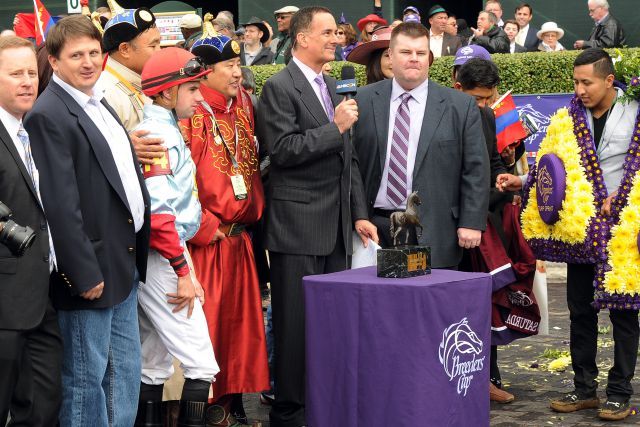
[16,238]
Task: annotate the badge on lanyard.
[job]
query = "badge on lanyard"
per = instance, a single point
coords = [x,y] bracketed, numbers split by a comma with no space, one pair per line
[239,187]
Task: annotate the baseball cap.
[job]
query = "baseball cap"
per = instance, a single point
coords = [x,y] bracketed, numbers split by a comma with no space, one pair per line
[190,20]
[466,53]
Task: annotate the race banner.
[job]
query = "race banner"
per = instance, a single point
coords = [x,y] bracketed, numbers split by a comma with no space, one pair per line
[539,109]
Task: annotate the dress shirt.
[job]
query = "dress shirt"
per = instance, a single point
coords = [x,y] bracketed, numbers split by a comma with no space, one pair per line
[417,104]
[512,47]
[118,142]
[521,37]
[13,125]
[435,44]
[311,75]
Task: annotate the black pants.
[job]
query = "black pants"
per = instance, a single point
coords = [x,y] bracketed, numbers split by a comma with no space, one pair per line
[584,337]
[30,379]
[287,304]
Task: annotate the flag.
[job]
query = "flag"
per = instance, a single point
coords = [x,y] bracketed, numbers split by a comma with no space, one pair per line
[24,25]
[44,21]
[509,129]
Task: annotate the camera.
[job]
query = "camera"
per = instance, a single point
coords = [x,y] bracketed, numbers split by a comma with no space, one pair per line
[17,238]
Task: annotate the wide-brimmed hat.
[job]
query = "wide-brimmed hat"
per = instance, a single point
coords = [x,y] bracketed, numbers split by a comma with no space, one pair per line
[379,40]
[125,26]
[371,18]
[257,22]
[550,27]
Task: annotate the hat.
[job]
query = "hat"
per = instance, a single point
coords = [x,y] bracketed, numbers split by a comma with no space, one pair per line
[170,67]
[261,26]
[379,40]
[466,53]
[411,9]
[412,17]
[214,48]
[436,8]
[191,20]
[125,26]
[371,18]
[549,27]
[286,9]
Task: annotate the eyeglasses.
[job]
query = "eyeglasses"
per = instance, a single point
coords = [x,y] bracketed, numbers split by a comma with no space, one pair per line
[192,68]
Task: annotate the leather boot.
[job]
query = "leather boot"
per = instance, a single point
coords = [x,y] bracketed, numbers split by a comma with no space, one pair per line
[149,414]
[191,414]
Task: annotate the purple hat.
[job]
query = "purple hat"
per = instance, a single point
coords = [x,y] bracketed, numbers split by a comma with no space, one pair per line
[466,53]
[412,9]
[412,18]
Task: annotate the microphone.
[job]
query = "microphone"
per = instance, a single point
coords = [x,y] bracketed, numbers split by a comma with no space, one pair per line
[347,85]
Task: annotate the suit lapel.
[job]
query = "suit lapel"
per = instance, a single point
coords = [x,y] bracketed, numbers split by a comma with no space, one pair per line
[96,140]
[381,105]
[307,94]
[433,113]
[8,142]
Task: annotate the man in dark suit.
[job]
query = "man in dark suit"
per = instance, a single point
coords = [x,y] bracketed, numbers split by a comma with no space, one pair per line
[527,34]
[30,342]
[252,51]
[415,135]
[315,193]
[98,210]
[442,43]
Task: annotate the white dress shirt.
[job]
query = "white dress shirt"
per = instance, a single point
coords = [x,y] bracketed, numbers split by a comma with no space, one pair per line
[13,125]
[118,142]
[417,104]
[521,37]
[311,76]
[435,44]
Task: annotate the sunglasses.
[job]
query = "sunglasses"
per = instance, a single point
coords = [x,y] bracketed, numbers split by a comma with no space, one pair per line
[192,68]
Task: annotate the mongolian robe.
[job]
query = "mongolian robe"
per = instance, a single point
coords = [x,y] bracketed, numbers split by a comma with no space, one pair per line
[226,268]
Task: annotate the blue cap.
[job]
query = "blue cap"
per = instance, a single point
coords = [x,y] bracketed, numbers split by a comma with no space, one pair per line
[411,9]
[466,53]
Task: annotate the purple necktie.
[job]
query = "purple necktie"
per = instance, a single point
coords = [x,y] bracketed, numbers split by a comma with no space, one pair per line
[326,98]
[397,179]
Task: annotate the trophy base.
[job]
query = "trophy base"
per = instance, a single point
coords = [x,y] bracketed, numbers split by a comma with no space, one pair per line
[404,261]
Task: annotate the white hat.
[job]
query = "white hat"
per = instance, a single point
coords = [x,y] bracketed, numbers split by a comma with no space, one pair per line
[190,20]
[549,27]
[286,9]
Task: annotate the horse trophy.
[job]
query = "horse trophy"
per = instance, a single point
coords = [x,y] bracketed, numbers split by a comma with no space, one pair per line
[401,261]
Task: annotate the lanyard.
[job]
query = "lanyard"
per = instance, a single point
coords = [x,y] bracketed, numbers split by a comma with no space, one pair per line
[235,128]
[126,83]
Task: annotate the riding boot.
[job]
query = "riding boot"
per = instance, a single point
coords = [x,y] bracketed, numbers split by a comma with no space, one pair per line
[149,414]
[192,414]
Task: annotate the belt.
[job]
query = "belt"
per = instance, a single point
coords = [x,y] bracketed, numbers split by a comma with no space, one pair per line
[383,212]
[231,230]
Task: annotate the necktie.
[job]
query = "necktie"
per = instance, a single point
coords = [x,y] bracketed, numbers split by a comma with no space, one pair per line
[326,98]
[397,179]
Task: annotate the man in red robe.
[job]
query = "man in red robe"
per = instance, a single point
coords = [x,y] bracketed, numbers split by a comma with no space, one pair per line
[221,137]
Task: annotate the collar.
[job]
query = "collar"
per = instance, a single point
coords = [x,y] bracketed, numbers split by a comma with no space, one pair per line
[307,71]
[10,123]
[601,21]
[80,97]
[436,36]
[215,99]
[419,93]
[128,74]
[524,29]
[159,114]
[253,52]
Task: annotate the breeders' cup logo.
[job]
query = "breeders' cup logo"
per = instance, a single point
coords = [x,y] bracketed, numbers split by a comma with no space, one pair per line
[458,354]
[540,120]
[545,184]
[519,298]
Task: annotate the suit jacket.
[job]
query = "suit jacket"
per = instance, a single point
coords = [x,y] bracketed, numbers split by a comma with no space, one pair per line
[314,181]
[518,48]
[606,35]
[451,172]
[265,56]
[532,41]
[24,281]
[87,209]
[450,44]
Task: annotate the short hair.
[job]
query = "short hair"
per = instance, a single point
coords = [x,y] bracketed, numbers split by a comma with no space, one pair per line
[301,21]
[70,27]
[452,15]
[226,13]
[14,42]
[478,72]
[223,22]
[513,22]
[248,79]
[493,1]
[413,30]
[102,9]
[349,33]
[602,3]
[492,16]
[602,63]
[523,5]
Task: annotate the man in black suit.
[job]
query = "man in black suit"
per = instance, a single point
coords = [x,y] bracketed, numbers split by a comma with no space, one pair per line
[430,136]
[98,210]
[527,34]
[315,193]
[30,342]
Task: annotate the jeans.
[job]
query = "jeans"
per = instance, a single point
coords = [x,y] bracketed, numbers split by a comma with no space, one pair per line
[101,364]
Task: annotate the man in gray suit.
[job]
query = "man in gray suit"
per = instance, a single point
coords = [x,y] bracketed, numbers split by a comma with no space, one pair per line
[415,135]
[315,193]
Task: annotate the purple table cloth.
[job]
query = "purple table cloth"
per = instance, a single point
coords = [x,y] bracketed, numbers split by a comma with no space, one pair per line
[397,352]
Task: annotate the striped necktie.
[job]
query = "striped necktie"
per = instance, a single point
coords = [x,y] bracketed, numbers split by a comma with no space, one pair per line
[397,178]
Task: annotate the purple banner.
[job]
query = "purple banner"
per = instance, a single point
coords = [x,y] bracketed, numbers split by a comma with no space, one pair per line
[539,109]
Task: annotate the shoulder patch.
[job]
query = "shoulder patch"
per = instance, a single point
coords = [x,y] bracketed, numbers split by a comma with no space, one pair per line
[160,166]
